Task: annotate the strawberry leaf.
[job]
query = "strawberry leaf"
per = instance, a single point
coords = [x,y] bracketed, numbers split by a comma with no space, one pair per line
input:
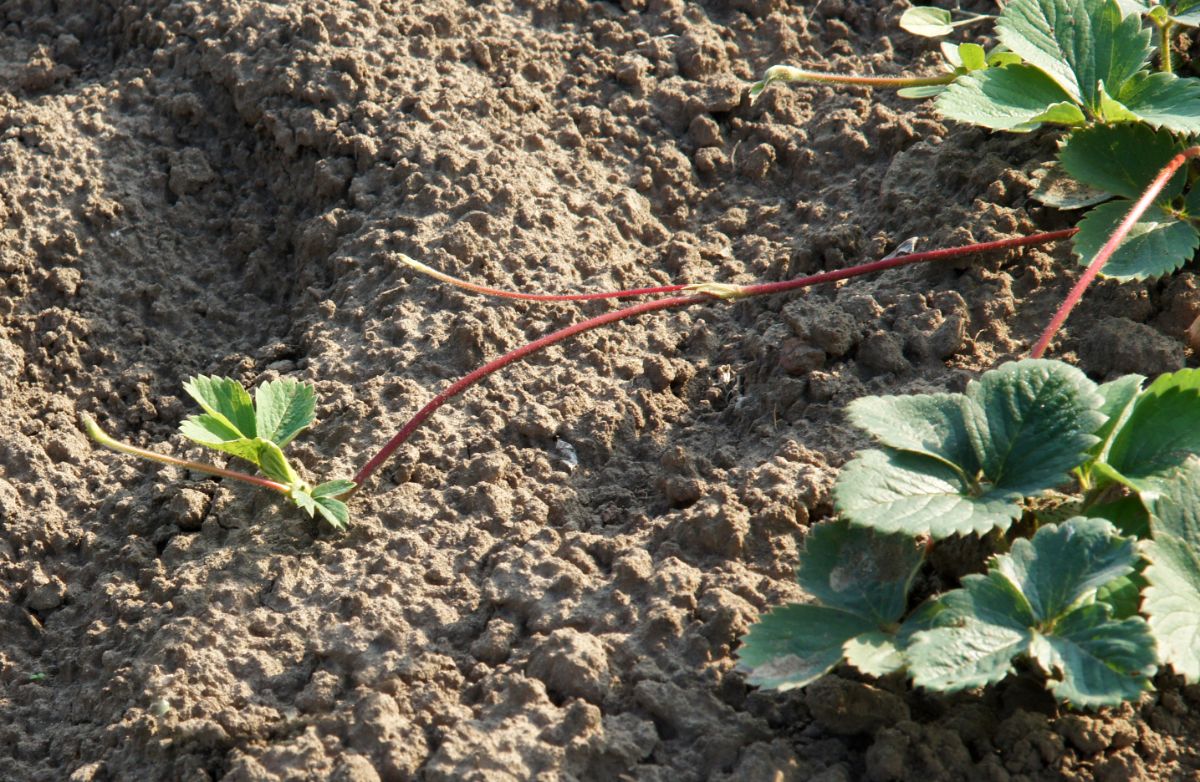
[793,645]
[1161,431]
[333,511]
[1016,98]
[1037,602]
[930,424]
[1031,423]
[1063,564]
[1157,244]
[333,488]
[961,463]
[1095,661]
[895,491]
[1172,600]
[1187,13]
[1122,159]
[859,571]
[926,22]
[225,400]
[1164,100]
[861,579]
[283,409]
[1078,43]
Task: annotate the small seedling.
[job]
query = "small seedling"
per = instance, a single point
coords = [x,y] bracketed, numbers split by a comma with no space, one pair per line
[1065,599]
[255,431]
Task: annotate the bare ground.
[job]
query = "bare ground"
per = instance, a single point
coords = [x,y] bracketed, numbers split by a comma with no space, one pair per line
[223,187]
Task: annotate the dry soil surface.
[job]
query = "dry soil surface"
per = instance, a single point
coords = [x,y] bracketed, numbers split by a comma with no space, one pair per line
[550,580]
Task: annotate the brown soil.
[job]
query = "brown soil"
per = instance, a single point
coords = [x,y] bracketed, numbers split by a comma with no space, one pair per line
[223,188]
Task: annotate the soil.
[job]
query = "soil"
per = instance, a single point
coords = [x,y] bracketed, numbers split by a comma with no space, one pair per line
[224,188]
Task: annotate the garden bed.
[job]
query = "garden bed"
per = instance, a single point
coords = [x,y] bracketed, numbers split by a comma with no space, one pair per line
[551,579]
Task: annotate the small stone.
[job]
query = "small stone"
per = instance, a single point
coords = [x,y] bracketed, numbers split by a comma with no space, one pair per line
[47,596]
[188,508]
[882,352]
[850,708]
[1122,346]
[573,664]
[190,172]
[757,163]
[704,131]
[796,357]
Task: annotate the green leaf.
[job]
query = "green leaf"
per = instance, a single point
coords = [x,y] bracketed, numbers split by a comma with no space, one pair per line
[793,645]
[950,53]
[1035,602]
[926,91]
[1061,113]
[1000,56]
[204,429]
[1162,430]
[304,500]
[875,654]
[926,22]
[1123,595]
[1164,100]
[858,570]
[982,627]
[333,488]
[1009,98]
[273,463]
[1119,396]
[210,430]
[862,580]
[895,491]
[1171,602]
[1128,514]
[1063,564]
[1122,159]
[930,424]
[972,56]
[1101,662]
[1191,203]
[1157,244]
[1186,13]
[1079,43]
[333,511]
[283,409]
[225,400]
[1031,423]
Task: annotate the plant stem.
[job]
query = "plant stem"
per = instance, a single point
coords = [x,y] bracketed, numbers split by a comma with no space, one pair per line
[722,290]
[788,73]
[462,384]
[1110,247]
[457,282]
[704,293]
[100,436]
[1164,45]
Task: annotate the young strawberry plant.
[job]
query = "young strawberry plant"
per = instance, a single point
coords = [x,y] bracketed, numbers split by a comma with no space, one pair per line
[254,430]
[1066,598]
